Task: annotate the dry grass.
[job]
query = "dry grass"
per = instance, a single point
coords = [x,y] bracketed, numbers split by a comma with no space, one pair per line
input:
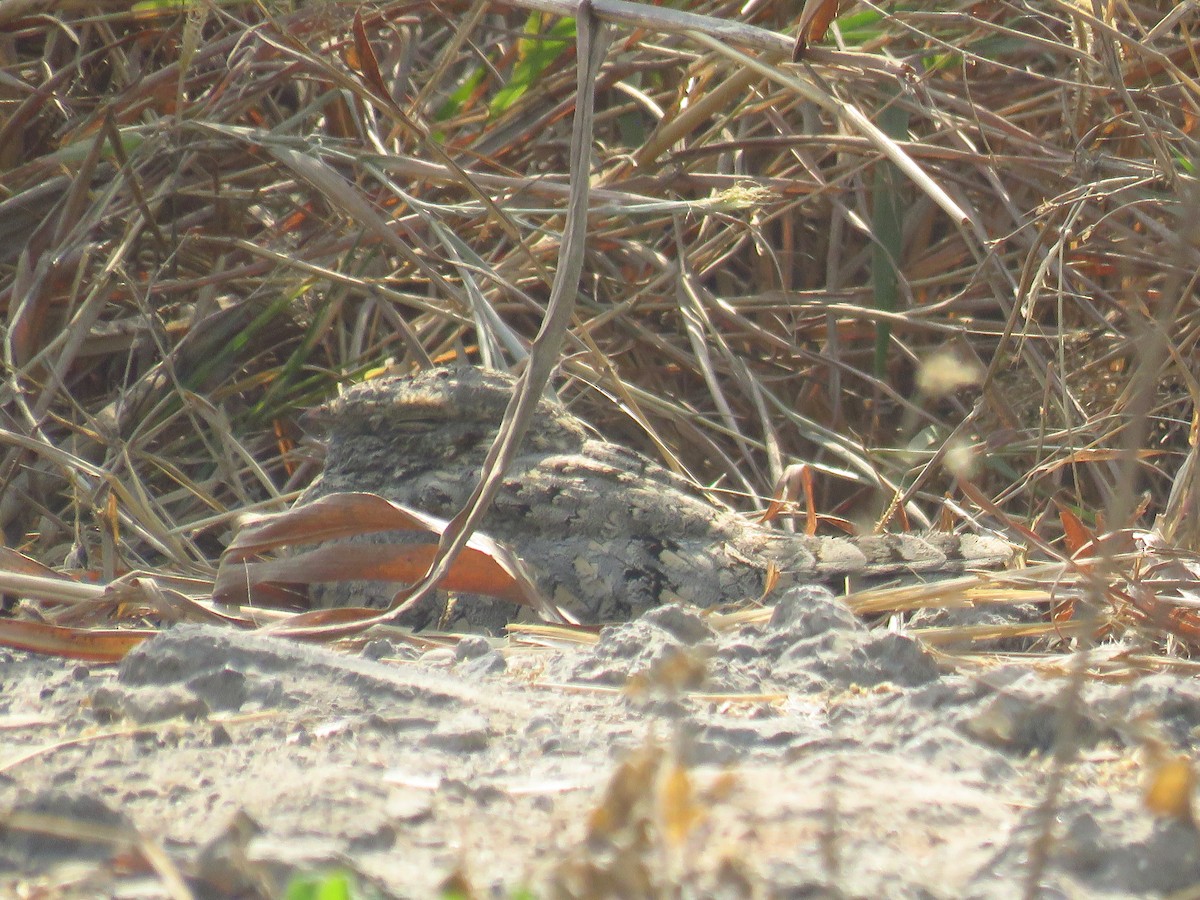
[211,216]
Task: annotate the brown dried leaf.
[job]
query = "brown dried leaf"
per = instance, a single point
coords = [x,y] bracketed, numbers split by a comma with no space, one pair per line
[794,480]
[365,57]
[12,561]
[173,606]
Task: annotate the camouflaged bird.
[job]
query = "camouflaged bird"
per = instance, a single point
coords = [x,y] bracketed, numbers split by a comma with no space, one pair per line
[606,532]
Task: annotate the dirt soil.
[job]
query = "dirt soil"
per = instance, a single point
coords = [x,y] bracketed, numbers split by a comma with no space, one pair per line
[805,757]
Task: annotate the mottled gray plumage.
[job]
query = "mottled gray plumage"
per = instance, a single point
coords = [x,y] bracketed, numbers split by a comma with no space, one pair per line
[606,532]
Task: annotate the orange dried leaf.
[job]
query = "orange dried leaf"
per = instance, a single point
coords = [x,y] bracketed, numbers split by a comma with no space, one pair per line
[1169,793]
[814,21]
[317,618]
[1063,611]
[328,518]
[88,644]
[474,571]
[771,581]
[1076,533]
[677,803]
[484,566]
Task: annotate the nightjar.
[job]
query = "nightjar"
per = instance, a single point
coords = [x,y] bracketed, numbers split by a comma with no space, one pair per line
[606,532]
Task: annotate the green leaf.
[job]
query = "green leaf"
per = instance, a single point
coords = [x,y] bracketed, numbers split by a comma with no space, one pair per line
[460,96]
[535,54]
[323,886]
[887,227]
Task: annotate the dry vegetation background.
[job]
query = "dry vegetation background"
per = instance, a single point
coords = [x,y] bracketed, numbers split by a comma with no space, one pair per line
[213,213]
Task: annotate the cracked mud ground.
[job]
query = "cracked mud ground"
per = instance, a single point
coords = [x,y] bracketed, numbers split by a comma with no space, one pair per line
[814,758]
